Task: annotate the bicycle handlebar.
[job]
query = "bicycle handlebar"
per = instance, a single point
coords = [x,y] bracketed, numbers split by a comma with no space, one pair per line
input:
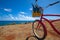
[52,4]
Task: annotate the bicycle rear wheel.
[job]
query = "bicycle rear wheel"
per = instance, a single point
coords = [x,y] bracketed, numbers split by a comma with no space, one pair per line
[39,29]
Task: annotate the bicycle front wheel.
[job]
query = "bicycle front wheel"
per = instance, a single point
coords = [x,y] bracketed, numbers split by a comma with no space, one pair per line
[39,29]
[32,38]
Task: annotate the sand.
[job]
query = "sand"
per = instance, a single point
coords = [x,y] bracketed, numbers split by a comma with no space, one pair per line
[22,31]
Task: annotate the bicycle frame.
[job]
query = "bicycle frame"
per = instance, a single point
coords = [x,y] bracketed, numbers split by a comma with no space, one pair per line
[50,22]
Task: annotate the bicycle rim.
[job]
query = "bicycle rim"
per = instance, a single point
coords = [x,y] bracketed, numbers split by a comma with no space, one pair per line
[32,38]
[39,31]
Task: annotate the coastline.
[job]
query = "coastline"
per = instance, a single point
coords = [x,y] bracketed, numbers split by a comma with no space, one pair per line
[4,23]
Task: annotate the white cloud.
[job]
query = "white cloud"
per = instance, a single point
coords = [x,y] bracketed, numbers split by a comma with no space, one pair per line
[23,17]
[30,9]
[22,12]
[18,17]
[11,16]
[6,17]
[8,10]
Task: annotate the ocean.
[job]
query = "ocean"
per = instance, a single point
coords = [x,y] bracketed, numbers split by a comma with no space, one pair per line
[2,23]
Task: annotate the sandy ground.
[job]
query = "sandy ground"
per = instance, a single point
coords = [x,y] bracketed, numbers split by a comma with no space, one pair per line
[22,31]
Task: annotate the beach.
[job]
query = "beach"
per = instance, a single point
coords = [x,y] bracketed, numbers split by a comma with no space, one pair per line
[22,31]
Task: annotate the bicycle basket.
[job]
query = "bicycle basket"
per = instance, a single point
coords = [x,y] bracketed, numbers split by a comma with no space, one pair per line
[37,11]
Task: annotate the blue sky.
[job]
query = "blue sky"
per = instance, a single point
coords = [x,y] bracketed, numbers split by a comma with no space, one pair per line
[22,9]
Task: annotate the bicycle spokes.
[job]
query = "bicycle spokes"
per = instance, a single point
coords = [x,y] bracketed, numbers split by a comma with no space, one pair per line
[38,30]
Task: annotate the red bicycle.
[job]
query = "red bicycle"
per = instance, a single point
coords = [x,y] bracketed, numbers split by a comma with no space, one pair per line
[38,26]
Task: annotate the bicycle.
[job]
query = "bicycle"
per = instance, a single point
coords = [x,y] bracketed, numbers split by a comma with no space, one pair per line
[39,28]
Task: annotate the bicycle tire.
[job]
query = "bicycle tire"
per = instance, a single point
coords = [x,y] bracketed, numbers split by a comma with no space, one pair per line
[34,37]
[44,30]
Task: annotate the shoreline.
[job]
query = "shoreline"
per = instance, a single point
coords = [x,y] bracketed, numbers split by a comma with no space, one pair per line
[3,23]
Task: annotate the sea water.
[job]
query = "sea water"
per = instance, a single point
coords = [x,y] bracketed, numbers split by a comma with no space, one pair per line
[2,23]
